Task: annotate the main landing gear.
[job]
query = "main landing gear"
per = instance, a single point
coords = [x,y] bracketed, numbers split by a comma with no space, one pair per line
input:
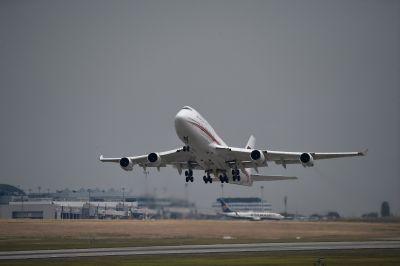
[207,178]
[235,175]
[223,178]
[189,175]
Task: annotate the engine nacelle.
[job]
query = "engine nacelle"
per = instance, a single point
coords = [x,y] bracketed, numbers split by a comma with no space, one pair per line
[154,158]
[257,156]
[126,164]
[306,159]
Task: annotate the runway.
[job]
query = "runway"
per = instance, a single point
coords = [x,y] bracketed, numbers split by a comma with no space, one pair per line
[195,249]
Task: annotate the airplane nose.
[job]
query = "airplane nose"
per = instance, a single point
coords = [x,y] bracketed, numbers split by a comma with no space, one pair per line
[180,120]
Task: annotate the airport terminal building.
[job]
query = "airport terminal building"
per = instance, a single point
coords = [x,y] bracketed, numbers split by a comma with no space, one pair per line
[89,204]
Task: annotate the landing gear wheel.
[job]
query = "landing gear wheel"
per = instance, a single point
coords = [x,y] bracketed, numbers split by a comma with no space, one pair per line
[235,175]
[208,178]
[189,175]
[226,178]
[205,179]
[186,148]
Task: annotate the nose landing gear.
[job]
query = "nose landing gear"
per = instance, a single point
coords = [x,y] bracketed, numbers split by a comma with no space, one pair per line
[186,148]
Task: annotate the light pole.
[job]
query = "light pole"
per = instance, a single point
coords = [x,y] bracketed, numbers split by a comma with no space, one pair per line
[146,173]
[89,191]
[285,202]
[187,193]
[262,196]
[123,197]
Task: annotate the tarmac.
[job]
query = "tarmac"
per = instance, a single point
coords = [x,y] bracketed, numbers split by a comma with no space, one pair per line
[196,249]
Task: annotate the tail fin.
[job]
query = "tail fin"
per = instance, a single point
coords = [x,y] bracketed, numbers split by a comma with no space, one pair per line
[251,143]
[225,207]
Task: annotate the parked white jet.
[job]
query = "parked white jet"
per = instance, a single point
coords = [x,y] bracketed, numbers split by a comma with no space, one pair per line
[205,150]
[251,215]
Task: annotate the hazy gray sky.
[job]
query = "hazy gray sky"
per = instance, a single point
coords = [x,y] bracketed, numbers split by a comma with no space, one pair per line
[84,78]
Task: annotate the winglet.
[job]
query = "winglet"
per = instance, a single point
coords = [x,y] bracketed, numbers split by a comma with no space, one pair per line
[363,153]
[101,158]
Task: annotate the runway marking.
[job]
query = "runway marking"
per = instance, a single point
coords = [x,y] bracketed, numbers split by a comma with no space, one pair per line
[196,249]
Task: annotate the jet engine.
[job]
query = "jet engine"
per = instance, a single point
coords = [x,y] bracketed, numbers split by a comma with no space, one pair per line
[154,158]
[126,164]
[257,156]
[306,159]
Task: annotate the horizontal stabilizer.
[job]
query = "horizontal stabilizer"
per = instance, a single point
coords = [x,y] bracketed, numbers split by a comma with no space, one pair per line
[271,177]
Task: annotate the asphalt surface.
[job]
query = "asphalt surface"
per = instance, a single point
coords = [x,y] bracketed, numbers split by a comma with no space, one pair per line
[195,249]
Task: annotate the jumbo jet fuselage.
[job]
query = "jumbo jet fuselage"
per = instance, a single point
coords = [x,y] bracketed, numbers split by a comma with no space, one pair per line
[197,133]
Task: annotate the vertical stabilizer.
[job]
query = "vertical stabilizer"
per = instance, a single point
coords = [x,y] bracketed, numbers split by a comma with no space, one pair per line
[225,207]
[251,143]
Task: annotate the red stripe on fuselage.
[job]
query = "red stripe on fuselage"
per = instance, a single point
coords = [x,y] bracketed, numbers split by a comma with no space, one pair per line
[205,131]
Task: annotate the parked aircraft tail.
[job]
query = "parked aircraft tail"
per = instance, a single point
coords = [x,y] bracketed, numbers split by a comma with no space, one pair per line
[251,143]
[225,207]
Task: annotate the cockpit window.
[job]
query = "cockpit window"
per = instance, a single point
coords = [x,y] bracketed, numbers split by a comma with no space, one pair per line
[187,108]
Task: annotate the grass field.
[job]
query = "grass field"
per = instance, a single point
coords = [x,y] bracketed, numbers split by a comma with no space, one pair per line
[344,257]
[55,234]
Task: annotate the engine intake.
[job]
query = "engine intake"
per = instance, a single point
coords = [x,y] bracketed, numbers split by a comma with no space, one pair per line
[154,158]
[306,159]
[257,156]
[126,164]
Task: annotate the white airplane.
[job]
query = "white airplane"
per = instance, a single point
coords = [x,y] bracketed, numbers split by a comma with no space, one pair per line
[251,215]
[204,150]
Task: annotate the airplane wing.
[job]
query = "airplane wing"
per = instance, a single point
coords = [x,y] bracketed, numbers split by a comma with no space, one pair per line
[294,156]
[244,157]
[177,158]
[306,158]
